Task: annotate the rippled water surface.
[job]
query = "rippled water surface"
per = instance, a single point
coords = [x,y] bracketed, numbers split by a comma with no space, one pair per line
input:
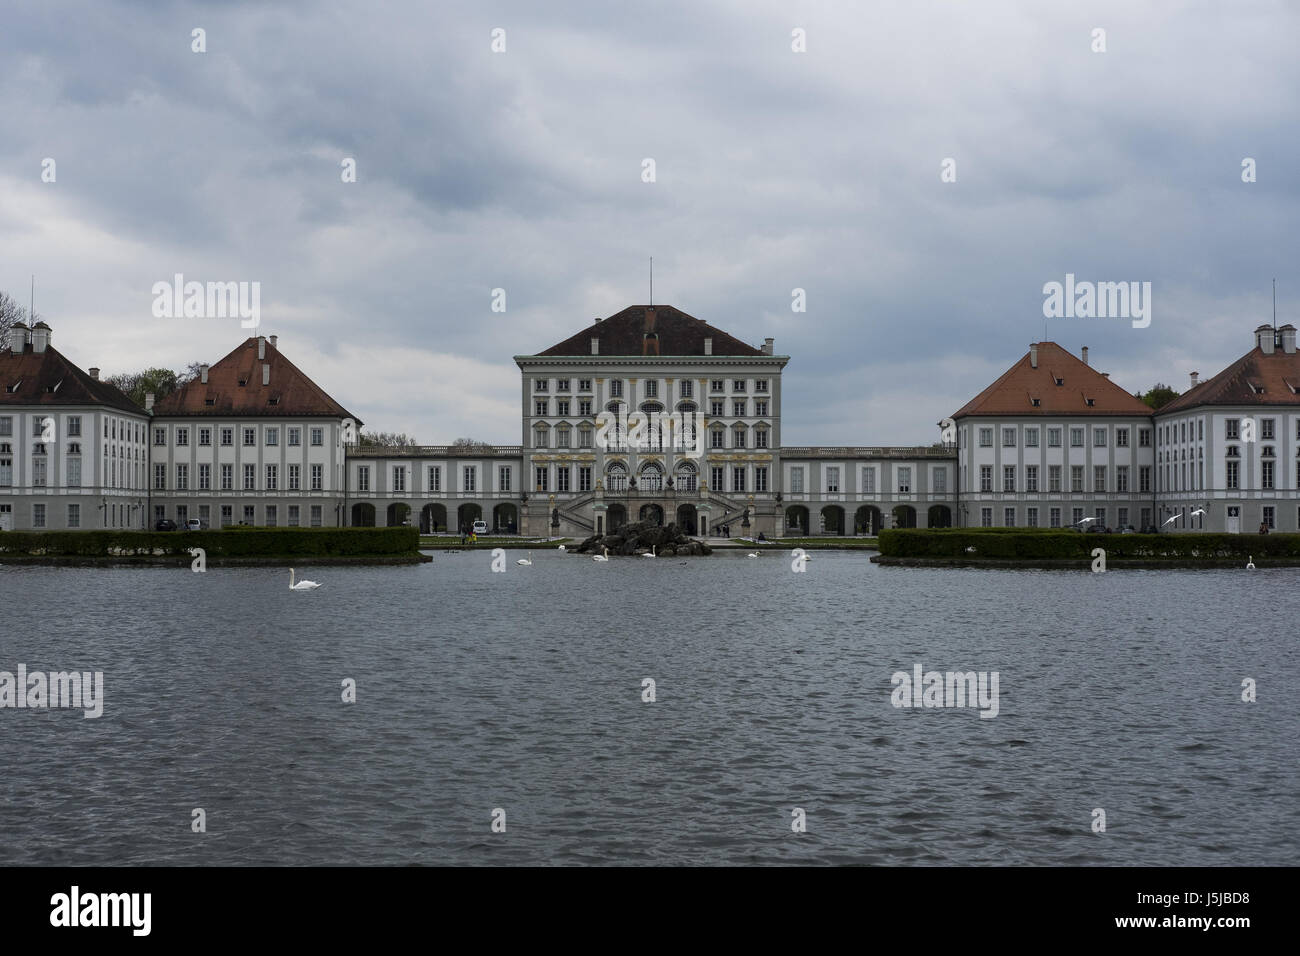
[522,691]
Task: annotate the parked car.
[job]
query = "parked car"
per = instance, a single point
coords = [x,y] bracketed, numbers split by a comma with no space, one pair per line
[480,527]
[164,524]
[196,524]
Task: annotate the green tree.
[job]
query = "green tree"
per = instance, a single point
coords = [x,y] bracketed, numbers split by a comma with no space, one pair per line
[1158,396]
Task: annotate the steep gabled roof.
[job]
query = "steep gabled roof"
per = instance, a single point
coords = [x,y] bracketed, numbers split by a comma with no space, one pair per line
[290,392]
[624,333]
[1015,392]
[1254,379]
[51,378]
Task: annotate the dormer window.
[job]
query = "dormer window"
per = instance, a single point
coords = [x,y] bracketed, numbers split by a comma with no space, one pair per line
[1059,380]
[1089,402]
[243,382]
[209,401]
[14,387]
[1035,402]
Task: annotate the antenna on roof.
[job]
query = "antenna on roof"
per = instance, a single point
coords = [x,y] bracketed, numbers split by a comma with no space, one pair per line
[1274,304]
[31,308]
[652,280]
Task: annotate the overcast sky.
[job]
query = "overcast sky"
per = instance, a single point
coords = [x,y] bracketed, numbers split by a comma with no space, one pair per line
[775,170]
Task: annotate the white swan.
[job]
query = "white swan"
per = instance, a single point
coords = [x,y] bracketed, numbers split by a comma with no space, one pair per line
[601,557]
[1250,563]
[561,548]
[752,554]
[526,562]
[651,554]
[301,585]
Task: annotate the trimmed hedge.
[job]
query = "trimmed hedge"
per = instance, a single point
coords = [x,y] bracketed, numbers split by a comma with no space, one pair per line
[261,542]
[1010,543]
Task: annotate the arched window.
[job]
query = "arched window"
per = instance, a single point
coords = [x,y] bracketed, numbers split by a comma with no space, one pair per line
[686,476]
[616,476]
[652,477]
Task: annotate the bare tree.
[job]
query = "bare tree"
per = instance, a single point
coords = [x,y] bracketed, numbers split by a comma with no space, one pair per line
[11,311]
[388,439]
[470,444]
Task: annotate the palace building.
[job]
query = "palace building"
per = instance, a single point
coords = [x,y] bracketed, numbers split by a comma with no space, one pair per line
[650,414]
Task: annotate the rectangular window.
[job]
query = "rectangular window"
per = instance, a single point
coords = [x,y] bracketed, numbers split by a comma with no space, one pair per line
[1031,517]
[1121,437]
[469,476]
[399,477]
[561,384]
[738,385]
[1009,517]
[315,516]
[715,478]
[295,437]
[760,478]
[1098,477]
[182,436]
[227,515]
[1232,427]
[584,408]
[584,478]
[716,438]
[272,477]
[1076,437]
[205,437]
[1076,515]
[584,385]
[205,477]
[986,517]
[1031,477]
[1233,472]
[1099,438]
[38,516]
[868,481]
[363,477]
[250,477]
[292,521]
[435,478]
[561,478]
[1053,477]
[940,477]
[986,477]
[651,388]
[904,479]
[760,438]
[1266,474]
[295,477]
[1144,478]
[182,477]
[1123,518]
[317,440]
[272,436]
[540,406]
[832,480]
[1008,477]
[738,438]
[1053,438]
[271,516]
[1031,437]
[717,385]
[760,385]
[1076,477]
[6,426]
[717,409]
[738,409]
[1121,477]
[986,437]
[1269,516]
[74,472]
[738,478]
[227,477]
[317,481]
[227,436]
[686,388]
[1008,438]
[615,388]
[796,481]
[74,516]
[159,477]
[250,437]
[543,478]
[562,406]
[542,385]
[159,436]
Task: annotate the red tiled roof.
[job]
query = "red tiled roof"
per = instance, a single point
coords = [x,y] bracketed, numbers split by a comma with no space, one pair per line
[1277,374]
[290,394]
[50,378]
[624,333]
[1015,391]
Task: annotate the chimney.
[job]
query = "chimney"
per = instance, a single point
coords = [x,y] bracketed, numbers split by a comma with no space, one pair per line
[1264,339]
[18,337]
[1288,338]
[148,401]
[767,346]
[94,373]
[40,337]
[649,337]
[203,373]
[595,345]
[1085,355]
[266,373]
[1195,376]
[1105,375]
[597,321]
[261,347]
[708,345]
[1033,355]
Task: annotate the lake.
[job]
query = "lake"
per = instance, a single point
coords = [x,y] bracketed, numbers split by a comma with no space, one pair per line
[523,692]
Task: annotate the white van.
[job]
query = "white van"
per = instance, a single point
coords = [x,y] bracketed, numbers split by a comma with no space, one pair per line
[195,524]
[480,527]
